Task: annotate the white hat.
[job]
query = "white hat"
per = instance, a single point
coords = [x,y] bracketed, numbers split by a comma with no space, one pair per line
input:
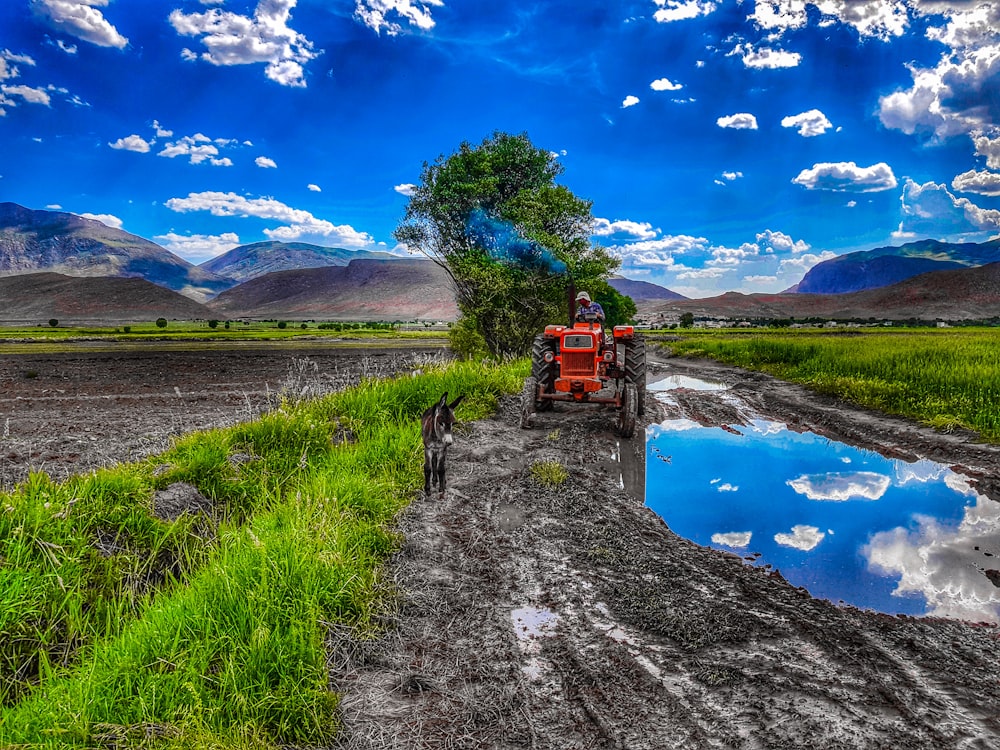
[583,296]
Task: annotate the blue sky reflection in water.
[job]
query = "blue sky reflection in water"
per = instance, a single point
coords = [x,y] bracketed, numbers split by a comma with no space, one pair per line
[845,523]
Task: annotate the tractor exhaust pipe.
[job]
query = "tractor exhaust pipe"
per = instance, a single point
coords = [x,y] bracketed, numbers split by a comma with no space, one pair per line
[571,291]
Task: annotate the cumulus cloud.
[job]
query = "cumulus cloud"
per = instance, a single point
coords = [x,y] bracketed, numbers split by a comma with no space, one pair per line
[931,210]
[198,248]
[665,84]
[160,131]
[296,223]
[735,539]
[765,58]
[847,177]
[944,564]
[82,19]
[681,10]
[802,537]
[198,148]
[659,253]
[265,163]
[314,188]
[629,101]
[879,19]
[779,242]
[605,228]
[27,94]
[376,14]
[406,188]
[809,124]
[841,486]
[983,183]
[132,143]
[108,220]
[738,121]
[804,262]
[988,147]
[233,39]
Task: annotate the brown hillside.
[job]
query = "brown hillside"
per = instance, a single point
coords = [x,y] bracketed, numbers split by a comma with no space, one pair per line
[363,290]
[964,294]
[38,297]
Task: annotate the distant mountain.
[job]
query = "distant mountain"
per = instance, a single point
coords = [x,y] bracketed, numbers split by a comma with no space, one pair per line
[960,294]
[869,269]
[642,290]
[250,261]
[363,290]
[37,297]
[32,241]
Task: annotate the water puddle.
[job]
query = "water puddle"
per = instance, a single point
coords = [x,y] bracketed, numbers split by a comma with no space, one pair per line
[847,524]
[674,382]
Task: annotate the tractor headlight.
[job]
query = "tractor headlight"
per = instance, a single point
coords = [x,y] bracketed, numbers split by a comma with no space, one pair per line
[609,356]
[549,357]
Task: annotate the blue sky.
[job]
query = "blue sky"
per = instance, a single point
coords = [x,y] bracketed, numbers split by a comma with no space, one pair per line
[725,145]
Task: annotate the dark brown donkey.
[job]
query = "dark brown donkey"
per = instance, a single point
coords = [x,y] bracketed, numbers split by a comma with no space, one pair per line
[435,428]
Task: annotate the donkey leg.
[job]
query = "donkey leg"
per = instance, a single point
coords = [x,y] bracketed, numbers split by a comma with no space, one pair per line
[440,469]
[428,466]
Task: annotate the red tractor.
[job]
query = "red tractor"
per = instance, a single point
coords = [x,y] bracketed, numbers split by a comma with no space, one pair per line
[583,363]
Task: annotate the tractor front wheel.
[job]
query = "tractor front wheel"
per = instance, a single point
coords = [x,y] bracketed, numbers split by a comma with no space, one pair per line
[625,427]
[635,369]
[528,403]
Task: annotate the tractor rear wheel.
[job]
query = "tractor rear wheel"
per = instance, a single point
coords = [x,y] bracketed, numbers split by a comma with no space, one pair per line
[544,372]
[625,427]
[528,403]
[635,369]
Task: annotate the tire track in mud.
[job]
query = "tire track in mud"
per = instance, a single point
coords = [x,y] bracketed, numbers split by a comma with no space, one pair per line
[572,617]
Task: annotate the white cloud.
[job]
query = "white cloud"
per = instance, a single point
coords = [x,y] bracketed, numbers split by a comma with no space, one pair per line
[198,148]
[804,262]
[921,472]
[629,101]
[735,539]
[665,84]
[730,176]
[931,210]
[659,253]
[107,219]
[733,256]
[69,49]
[780,242]
[880,19]
[82,19]
[160,131]
[841,486]
[198,248]
[314,188]
[766,58]
[727,487]
[265,163]
[298,224]
[944,564]
[8,68]
[132,143]
[407,188]
[983,183]
[847,177]
[803,538]
[988,147]
[604,228]
[738,121]
[375,14]
[682,10]
[809,124]
[232,39]
[27,93]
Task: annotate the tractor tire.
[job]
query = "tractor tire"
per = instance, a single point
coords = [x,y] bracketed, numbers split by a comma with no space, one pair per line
[635,370]
[625,427]
[542,371]
[528,403]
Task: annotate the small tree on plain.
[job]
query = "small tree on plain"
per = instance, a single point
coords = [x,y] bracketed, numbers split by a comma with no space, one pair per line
[53,322]
[213,324]
[161,322]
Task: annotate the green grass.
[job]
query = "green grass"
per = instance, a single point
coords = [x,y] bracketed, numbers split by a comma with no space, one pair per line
[946,378]
[117,627]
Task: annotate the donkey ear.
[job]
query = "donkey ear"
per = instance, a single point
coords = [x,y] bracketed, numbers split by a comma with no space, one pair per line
[456,402]
[444,399]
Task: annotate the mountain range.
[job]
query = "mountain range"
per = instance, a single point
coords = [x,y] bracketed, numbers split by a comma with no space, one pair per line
[59,265]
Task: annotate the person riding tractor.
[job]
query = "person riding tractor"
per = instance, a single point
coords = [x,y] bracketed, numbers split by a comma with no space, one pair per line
[587,310]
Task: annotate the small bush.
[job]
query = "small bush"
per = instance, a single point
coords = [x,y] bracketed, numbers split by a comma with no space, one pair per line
[549,473]
[53,322]
[213,324]
[282,325]
[161,322]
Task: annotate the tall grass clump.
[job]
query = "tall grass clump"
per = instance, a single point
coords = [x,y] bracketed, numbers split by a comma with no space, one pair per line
[946,378]
[228,649]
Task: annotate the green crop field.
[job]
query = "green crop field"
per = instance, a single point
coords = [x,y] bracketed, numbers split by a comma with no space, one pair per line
[118,628]
[946,378]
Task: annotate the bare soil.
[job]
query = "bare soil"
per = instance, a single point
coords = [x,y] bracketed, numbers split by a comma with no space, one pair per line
[531,616]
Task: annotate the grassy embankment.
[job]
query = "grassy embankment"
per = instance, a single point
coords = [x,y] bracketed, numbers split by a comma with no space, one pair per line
[946,378]
[120,628]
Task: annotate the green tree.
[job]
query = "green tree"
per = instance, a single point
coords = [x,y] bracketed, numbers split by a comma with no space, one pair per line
[213,324]
[619,310]
[511,239]
[687,320]
[161,322]
[53,322]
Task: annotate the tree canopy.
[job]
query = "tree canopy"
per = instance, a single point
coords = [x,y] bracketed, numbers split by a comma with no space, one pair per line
[510,237]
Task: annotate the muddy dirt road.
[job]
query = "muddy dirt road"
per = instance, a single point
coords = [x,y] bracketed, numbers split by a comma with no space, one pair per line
[537,617]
